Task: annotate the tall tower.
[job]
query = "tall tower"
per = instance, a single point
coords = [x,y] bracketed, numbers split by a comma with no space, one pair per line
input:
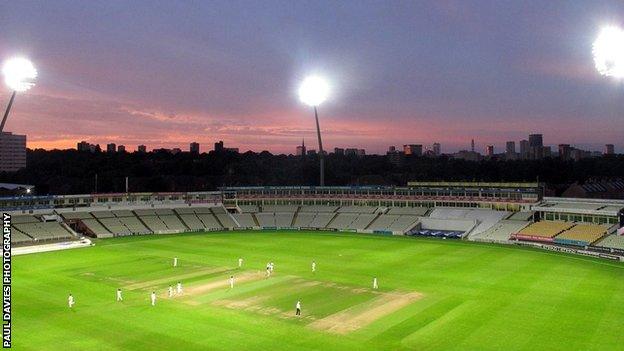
[472,145]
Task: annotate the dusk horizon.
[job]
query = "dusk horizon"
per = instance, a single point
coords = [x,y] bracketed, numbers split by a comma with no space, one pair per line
[401,73]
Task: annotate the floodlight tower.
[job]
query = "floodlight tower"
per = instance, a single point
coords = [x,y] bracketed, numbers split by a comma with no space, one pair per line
[313,92]
[19,75]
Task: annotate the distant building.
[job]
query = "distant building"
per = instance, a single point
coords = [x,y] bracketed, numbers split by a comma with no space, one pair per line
[339,151]
[83,146]
[175,150]
[395,157]
[510,147]
[524,149]
[489,150]
[142,148]
[218,147]
[609,149]
[311,152]
[231,149]
[95,148]
[121,148]
[194,148]
[301,149]
[361,152]
[351,152]
[546,151]
[536,146]
[472,148]
[12,152]
[413,149]
[565,151]
[437,149]
[111,148]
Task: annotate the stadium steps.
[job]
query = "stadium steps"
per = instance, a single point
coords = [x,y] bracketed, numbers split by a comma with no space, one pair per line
[70,230]
[292,224]
[253,216]
[373,221]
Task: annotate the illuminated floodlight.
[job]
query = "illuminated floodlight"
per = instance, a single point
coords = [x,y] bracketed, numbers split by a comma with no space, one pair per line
[608,50]
[19,74]
[313,91]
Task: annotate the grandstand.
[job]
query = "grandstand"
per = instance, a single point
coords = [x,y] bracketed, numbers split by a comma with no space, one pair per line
[500,232]
[582,234]
[542,231]
[612,241]
[432,209]
[245,220]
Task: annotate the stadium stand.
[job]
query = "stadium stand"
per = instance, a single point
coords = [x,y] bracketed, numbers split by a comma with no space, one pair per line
[191,221]
[96,228]
[442,225]
[152,221]
[582,234]
[485,218]
[363,220]
[279,208]
[43,231]
[383,222]
[357,209]
[245,220]
[102,214]
[416,211]
[500,231]
[304,220]
[403,224]
[542,231]
[284,219]
[76,215]
[130,221]
[19,238]
[321,220]
[209,221]
[342,221]
[266,219]
[248,208]
[612,242]
[115,226]
[318,208]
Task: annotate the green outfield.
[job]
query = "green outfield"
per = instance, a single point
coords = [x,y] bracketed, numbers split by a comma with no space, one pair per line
[433,295]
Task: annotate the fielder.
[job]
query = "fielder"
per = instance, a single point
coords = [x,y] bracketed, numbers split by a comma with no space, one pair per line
[268,270]
[175,261]
[70,300]
[170,291]
[153,298]
[375,285]
[240,262]
[298,308]
[271,266]
[231,282]
[313,266]
[119,298]
[179,288]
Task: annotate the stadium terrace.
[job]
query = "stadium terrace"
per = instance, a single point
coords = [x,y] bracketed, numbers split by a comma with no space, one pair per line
[505,213]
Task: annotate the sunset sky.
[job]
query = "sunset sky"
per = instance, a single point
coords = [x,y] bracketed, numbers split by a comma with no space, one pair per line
[165,73]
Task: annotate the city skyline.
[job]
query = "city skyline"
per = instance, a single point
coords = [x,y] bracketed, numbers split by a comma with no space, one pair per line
[442,72]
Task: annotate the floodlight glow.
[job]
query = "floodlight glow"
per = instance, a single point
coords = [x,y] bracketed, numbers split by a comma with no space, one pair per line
[313,91]
[608,52]
[19,74]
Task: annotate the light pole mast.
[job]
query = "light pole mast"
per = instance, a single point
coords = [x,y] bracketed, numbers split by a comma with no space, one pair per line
[313,91]
[321,153]
[6,113]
